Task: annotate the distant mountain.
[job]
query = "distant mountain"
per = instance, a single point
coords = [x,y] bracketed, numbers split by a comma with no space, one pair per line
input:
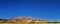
[3,20]
[23,19]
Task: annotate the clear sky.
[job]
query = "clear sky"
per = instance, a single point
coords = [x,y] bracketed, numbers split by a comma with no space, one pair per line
[46,9]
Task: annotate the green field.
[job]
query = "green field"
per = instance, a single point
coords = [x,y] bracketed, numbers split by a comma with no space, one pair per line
[30,23]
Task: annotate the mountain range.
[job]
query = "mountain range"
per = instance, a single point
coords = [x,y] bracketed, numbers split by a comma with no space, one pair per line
[23,19]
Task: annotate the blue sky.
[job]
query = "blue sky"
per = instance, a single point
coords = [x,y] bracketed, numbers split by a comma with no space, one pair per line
[46,9]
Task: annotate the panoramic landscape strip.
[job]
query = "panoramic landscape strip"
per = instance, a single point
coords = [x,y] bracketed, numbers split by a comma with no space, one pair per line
[26,20]
[30,23]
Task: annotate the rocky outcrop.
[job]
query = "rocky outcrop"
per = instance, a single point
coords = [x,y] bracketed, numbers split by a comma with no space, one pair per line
[23,19]
[26,19]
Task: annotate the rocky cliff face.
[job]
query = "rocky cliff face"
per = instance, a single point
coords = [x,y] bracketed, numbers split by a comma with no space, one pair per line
[25,19]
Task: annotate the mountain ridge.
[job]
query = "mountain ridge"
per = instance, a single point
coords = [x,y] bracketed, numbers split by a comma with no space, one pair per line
[23,19]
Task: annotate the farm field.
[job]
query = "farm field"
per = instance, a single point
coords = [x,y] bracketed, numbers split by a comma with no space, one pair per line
[30,23]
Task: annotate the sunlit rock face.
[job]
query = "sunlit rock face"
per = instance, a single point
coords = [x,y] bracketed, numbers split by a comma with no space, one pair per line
[24,19]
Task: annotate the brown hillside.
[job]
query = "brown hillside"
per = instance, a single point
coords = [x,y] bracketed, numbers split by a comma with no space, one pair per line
[23,19]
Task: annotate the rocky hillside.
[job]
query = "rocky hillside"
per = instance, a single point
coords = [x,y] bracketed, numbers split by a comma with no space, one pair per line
[22,19]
